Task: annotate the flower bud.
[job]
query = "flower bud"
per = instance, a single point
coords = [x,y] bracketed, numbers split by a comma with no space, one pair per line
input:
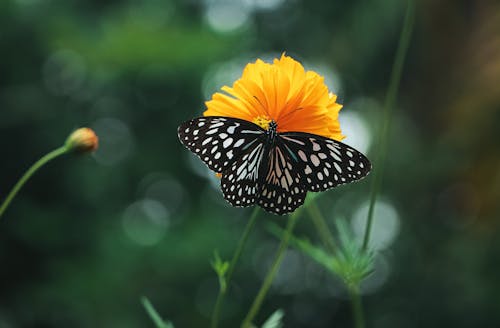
[83,140]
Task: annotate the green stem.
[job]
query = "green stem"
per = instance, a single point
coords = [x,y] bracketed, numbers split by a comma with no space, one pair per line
[38,164]
[254,309]
[357,307]
[321,226]
[390,100]
[232,265]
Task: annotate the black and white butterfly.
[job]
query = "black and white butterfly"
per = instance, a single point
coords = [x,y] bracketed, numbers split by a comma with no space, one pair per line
[273,170]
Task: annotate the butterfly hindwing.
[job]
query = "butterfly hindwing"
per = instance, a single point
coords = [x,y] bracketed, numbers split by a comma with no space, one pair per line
[324,163]
[218,141]
[282,191]
[240,181]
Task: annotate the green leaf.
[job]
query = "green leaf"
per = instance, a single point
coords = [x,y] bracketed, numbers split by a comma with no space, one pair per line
[275,320]
[220,267]
[350,262]
[153,314]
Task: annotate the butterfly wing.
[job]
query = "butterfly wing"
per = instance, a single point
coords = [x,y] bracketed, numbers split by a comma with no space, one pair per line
[219,141]
[282,191]
[240,181]
[276,176]
[324,163]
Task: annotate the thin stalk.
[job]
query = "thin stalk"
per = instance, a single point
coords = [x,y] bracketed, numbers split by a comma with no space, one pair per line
[232,265]
[38,164]
[268,280]
[321,226]
[390,100]
[357,307]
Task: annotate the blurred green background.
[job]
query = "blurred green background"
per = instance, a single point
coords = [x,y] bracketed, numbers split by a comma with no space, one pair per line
[90,234]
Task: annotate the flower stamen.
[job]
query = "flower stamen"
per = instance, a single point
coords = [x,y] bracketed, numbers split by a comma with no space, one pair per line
[262,121]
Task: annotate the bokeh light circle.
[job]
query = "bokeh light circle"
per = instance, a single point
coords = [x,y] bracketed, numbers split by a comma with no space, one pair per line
[115,141]
[64,72]
[224,16]
[356,130]
[385,225]
[145,222]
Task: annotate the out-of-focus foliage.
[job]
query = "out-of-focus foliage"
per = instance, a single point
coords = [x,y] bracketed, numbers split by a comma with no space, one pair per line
[153,314]
[88,236]
[350,262]
[275,320]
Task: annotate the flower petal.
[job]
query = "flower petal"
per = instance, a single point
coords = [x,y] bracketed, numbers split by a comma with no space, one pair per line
[297,100]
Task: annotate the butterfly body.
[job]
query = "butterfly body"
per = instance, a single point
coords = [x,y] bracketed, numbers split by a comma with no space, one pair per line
[269,168]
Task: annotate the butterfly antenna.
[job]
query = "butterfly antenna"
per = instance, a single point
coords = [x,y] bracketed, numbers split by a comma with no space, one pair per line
[290,113]
[261,105]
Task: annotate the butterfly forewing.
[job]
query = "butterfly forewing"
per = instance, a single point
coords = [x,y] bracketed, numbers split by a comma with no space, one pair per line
[218,141]
[324,163]
[282,191]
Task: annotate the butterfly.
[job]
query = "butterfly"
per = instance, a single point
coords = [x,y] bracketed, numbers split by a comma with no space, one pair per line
[274,170]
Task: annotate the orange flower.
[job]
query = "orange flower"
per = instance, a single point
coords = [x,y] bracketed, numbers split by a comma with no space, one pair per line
[82,140]
[297,100]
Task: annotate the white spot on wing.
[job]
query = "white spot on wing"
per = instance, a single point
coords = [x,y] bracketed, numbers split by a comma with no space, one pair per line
[315,160]
[227,142]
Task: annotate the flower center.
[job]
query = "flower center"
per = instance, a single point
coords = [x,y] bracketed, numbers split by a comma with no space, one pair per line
[262,121]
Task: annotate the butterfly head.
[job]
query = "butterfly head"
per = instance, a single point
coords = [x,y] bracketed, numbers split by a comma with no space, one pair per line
[273,126]
[272,131]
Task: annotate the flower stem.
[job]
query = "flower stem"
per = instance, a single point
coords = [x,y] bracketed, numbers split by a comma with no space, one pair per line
[390,100]
[357,307]
[321,227]
[38,164]
[232,265]
[278,258]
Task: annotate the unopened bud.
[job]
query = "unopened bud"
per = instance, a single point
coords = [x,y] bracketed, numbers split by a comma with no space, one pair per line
[82,140]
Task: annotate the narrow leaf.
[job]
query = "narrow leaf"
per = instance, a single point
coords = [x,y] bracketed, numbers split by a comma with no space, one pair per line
[153,314]
[275,320]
